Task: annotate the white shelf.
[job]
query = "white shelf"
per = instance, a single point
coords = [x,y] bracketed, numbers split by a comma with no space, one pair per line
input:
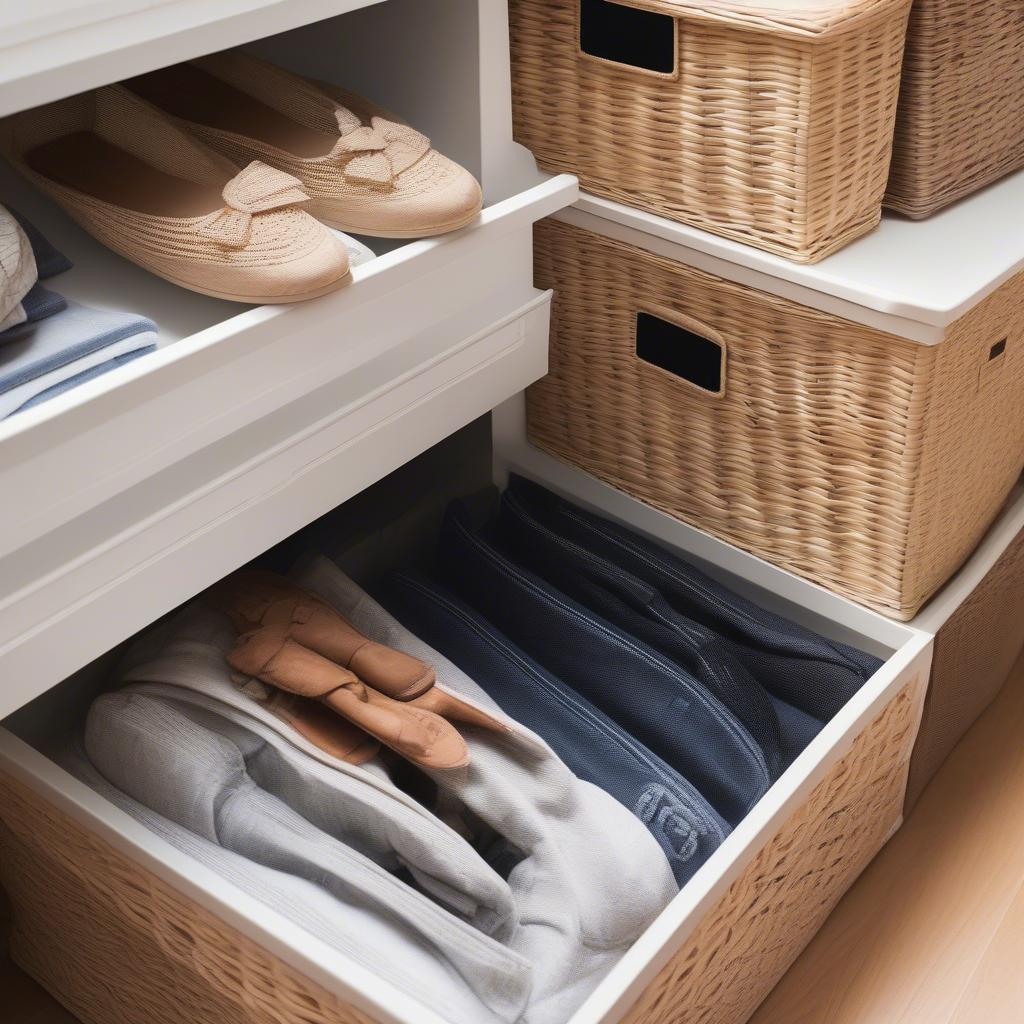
[911,278]
[55,48]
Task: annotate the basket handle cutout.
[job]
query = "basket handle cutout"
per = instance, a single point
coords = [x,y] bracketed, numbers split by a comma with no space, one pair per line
[991,367]
[683,348]
[627,36]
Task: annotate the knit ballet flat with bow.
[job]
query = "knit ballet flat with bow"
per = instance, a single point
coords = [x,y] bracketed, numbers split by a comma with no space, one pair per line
[364,171]
[156,195]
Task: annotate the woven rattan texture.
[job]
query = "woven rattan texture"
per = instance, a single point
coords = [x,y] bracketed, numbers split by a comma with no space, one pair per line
[960,121]
[747,942]
[863,461]
[975,651]
[770,140]
[116,945]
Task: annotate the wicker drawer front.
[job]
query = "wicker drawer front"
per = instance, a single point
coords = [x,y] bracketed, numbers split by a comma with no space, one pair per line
[960,120]
[975,650]
[117,945]
[862,461]
[773,133]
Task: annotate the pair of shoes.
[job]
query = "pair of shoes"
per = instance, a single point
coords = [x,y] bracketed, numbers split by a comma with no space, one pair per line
[299,645]
[151,169]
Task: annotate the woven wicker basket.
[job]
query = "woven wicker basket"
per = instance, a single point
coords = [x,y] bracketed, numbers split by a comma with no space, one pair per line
[863,461]
[773,125]
[117,945]
[960,120]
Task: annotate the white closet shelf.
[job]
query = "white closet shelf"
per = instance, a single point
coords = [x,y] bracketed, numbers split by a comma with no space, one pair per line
[55,48]
[911,278]
[127,495]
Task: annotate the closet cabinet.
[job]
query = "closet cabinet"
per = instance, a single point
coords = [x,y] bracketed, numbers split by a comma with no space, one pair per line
[129,495]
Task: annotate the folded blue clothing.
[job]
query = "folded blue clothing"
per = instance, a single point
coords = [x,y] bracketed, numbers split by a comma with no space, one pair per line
[657,701]
[812,674]
[640,609]
[38,304]
[90,374]
[49,260]
[60,351]
[595,748]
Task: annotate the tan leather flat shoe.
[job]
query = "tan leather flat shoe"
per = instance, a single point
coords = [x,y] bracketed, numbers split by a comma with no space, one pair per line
[254,600]
[157,196]
[426,739]
[364,170]
[314,721]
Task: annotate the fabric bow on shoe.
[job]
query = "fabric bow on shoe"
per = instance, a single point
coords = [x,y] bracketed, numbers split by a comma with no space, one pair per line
[255,189]
[383,149]
[424,738]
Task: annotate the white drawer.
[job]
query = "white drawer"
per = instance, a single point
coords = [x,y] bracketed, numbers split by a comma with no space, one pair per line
[84,587]
[710,957]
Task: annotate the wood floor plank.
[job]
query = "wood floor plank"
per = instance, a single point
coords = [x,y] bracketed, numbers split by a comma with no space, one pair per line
[996,990]
[915,941]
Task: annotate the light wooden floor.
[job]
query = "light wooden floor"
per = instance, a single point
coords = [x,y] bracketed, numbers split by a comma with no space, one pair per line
[932,933]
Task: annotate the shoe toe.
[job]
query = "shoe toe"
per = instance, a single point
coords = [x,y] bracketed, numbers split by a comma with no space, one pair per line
[433,197]
[319,269]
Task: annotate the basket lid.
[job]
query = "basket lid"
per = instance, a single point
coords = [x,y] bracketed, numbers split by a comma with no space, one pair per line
[805,19]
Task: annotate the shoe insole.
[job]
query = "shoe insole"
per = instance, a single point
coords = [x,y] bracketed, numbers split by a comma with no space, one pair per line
[195,95]
[88,163]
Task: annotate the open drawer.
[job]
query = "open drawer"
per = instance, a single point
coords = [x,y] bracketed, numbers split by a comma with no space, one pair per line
[147,927]
[107,486]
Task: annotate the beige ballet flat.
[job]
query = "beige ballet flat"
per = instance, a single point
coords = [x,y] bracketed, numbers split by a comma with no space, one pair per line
[157,196]
[365,172]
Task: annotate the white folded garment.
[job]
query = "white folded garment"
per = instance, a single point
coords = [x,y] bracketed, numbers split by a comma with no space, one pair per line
[357,929]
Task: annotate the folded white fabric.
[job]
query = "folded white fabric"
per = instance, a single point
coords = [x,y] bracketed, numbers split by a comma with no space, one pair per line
[367,933]
[18,271]
[588,877]
[228,782]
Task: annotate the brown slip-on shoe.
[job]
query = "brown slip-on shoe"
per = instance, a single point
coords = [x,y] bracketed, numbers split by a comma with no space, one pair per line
[314,721]
[157,196]
[365,171]
[426,739]
[253,599]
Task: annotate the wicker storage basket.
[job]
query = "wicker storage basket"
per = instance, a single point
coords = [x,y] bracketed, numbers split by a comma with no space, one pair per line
[863,461]
[767,122]
[118,945]
[960,120]
[978,623]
